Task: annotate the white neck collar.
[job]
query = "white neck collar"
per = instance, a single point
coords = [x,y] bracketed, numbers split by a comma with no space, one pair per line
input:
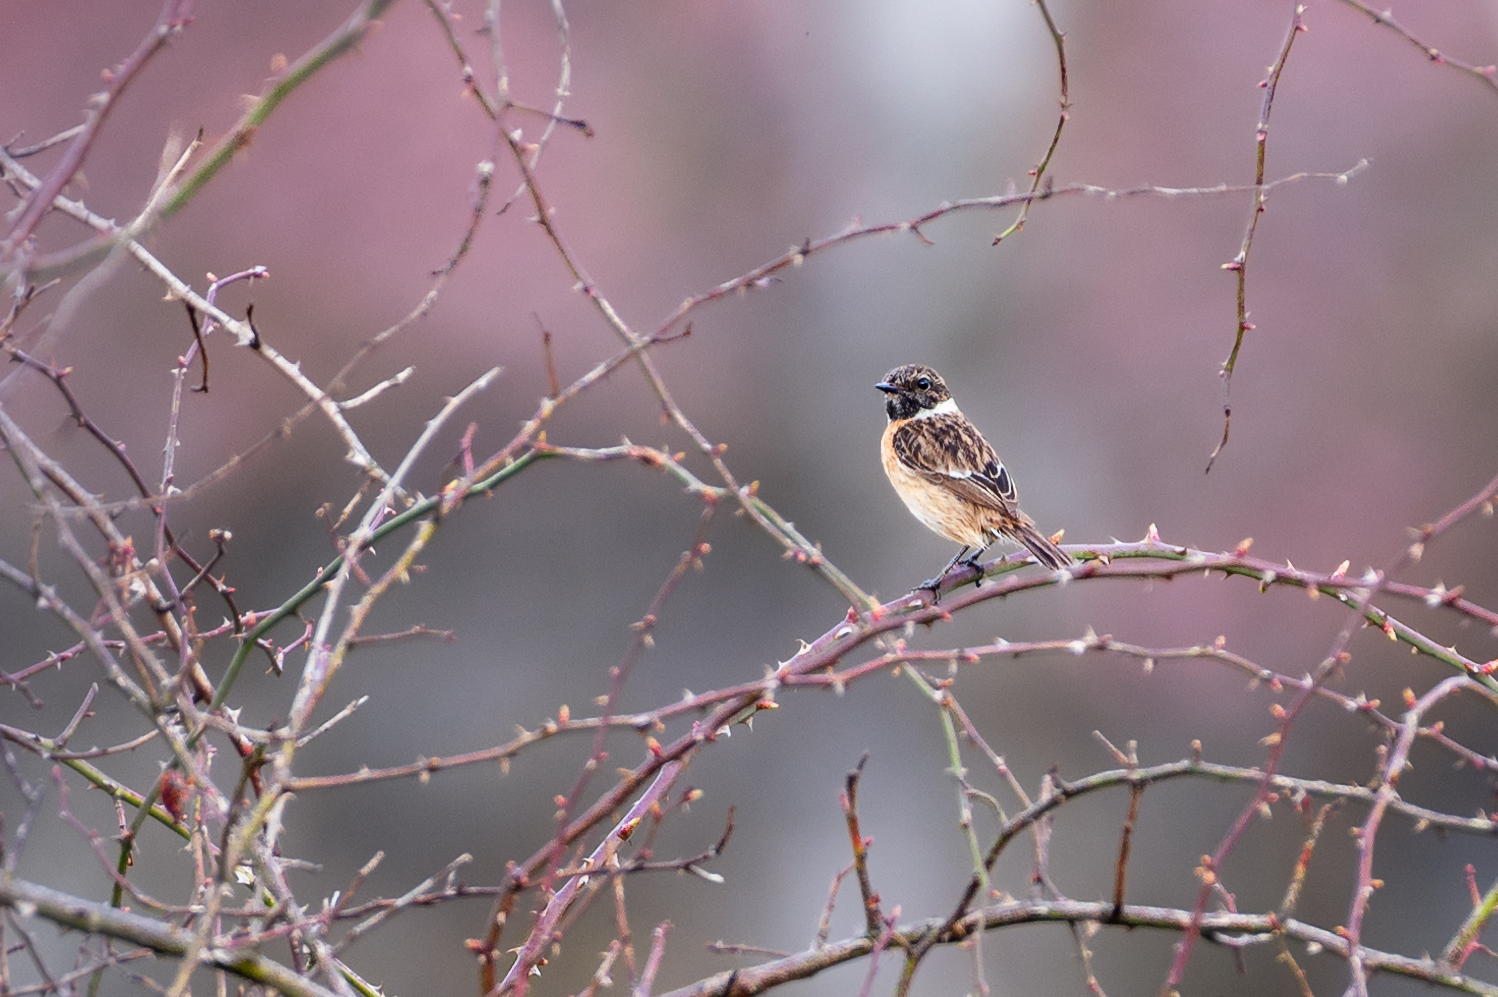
[948,407]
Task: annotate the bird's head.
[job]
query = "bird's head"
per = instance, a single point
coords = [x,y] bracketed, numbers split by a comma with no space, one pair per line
[911,390]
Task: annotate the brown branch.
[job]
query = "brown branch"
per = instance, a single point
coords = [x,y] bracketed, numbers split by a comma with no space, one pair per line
[1126,839]
[653,960]
[1395,762]
[554,385]
[619,675]
[1239,263]
[202,348]
[1059,40]
[1385,18]
[1303,861]
[1360,608]
[541,935]
[873,917]
[410,633]
[101,919]
[1155,560]
[174,16]
[762,275]
[758,512]
[1222,927]
[824,923]
[116,449]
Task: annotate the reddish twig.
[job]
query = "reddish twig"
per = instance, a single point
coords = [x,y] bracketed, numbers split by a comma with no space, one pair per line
[1395,762]
[879,942]
[644,638]
[763,275]
[1239,263]
[1385,18]
[541,935]
[1221,927]
[1468,937]
[1303,861]
[1126,840]
[653,960]
[824,923]
[553,384]
[174,16]
[1039,172]
[873,918]
[116,449]
[1360,603]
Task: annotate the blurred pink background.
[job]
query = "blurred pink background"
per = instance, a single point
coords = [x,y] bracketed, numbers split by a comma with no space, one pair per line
[1086,347]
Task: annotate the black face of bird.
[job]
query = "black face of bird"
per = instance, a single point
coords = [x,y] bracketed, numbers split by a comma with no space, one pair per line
[911,389]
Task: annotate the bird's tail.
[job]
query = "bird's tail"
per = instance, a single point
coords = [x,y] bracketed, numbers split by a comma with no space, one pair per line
[1046,552]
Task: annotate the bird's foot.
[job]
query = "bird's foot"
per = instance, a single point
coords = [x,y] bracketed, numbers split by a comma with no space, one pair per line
[932,585]
[976,565]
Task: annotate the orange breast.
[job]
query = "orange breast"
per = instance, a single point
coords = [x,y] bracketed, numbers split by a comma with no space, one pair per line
[939,508]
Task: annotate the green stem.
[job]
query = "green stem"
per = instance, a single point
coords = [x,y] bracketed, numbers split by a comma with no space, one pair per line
[345,38]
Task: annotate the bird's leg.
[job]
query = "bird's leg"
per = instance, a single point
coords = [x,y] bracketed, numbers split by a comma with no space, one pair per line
[933,585]
[972,562]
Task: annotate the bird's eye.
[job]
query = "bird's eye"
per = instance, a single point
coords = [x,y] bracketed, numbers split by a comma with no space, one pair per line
[924,384]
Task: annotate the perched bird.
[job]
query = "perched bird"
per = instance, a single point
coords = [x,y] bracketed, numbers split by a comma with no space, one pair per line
[948,475]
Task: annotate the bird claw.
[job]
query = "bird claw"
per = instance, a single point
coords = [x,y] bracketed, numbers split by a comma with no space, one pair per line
[933,585]
[977,566]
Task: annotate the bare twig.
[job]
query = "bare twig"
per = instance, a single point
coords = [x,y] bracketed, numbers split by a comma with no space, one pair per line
[1488,75]
[80,914]
[175,14]
[1239,263]
[1126,840]
[653,960]
[873,917]
[541,934]
[1466,939]
[1039,172]
[1395,762]
[1221,927]
[1360,606]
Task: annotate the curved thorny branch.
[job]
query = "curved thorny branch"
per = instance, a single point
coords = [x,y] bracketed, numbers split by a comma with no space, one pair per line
[228,782]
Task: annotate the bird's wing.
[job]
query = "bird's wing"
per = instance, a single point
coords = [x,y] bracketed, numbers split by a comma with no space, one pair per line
[948,451]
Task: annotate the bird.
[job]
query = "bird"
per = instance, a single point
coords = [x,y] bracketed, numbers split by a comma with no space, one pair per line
[949,476]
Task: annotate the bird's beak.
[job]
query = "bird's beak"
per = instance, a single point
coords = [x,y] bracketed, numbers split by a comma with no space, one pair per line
[886,387]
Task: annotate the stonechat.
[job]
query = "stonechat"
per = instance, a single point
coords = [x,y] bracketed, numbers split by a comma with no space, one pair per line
[948,475]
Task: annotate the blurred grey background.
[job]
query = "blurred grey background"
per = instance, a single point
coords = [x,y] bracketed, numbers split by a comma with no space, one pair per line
[1087,348]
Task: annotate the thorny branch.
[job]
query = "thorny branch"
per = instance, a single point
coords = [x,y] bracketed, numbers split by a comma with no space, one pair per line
[175,14]
[1225,928]
[873,917]
[1239,264]
[1039,172]
[184,711]
[1486,74]
[1360,604]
